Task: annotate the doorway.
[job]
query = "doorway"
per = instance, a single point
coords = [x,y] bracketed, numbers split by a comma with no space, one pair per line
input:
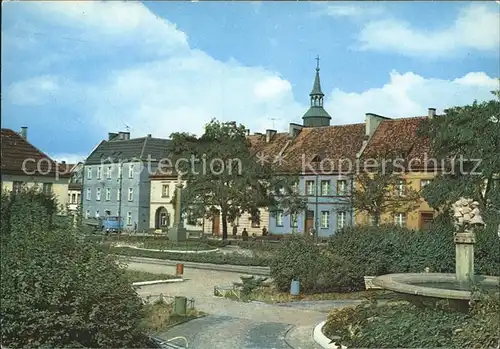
[309,223]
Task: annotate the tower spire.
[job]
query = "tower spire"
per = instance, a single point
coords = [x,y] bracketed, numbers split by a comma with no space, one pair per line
[316,115]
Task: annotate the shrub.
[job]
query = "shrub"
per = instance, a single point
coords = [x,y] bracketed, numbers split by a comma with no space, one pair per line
[388,249]
[58,291]
[317,269]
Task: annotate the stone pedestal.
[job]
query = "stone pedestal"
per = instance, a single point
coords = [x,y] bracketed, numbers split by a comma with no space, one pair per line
[464,243]
[177,233]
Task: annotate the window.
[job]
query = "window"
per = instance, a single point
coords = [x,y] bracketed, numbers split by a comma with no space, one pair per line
[294,220]
[129,218]
[130,194]
[108,172]
[165,190]
[69,199]
[97,214]
[279,218]
[131,171]
[325,188]
[89,194]
[400,219]
[424,182]
[16,187]
[341,187]
[47,188]
[73,198]
[400,188]
[295,187]
[119,194]
[89,173]
[99,170]
[77,198]
[120,170]
[87,214]
[310,189]
[341,219]
[108,194]
[426,219]
[325,219]
[98,194]
[255,218]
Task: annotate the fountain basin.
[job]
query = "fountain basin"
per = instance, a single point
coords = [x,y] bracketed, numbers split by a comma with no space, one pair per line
[418,287]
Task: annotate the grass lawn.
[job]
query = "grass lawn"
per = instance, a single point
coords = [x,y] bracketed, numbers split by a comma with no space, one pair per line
[137,276]
[158,317]
[271,295]
[179,246]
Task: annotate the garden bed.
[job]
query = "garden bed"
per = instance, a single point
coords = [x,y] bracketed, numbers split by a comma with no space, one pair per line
[138,276]
[158,317]
[213,258]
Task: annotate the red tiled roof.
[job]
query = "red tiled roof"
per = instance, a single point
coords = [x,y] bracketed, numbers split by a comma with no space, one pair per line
[398,137]
[328,149]
[18,156]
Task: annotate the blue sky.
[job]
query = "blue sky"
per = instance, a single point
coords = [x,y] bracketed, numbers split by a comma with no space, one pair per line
[74,71]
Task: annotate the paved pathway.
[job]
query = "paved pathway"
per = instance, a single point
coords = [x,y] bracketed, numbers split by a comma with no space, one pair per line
[237,325]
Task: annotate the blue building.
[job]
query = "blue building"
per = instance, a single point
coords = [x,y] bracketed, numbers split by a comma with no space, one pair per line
[325,157]
[116,178]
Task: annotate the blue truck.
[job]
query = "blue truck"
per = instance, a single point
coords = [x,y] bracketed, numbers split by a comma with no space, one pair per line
[106,225]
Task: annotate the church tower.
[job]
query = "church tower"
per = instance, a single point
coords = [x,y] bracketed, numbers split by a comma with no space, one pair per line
[316,115]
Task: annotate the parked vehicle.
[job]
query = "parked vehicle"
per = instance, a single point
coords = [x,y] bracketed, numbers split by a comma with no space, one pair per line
[112,224]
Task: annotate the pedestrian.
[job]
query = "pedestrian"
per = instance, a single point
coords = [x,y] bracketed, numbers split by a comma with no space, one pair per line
[244,234]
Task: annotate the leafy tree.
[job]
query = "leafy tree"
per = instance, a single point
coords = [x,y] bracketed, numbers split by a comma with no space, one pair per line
[222,173]
[56,290]
[466,139]
[380,189]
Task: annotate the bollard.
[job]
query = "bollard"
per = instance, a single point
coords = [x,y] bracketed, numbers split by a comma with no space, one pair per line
[180,305]
[179,269]
[295,288]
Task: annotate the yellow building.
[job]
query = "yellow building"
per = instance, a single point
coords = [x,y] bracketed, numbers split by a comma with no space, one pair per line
[392,139]
[162,210]
[25,166]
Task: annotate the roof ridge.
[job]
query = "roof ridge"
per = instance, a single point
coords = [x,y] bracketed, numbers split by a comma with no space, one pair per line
[29,143]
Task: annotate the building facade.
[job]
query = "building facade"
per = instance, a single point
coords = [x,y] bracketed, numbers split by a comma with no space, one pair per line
[74,186]
[25,166]
[398,138]
[116,179]
[162,209]
[319,152]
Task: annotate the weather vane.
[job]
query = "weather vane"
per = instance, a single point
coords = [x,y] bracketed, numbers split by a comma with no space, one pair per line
[317,62]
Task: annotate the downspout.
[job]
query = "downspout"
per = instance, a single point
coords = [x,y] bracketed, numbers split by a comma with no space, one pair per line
[121,196]
[316,214]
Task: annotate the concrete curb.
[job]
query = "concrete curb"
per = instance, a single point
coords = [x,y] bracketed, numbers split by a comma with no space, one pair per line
[169,251]
[155,282]
[323,340]
[252,270]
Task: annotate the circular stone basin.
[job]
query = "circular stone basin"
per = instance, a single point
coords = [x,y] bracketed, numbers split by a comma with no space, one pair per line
[434,285]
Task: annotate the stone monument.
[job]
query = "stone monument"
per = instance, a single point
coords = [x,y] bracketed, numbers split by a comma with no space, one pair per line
[178,232]
[466,216]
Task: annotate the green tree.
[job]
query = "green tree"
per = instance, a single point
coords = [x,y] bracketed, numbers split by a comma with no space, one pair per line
[381,189]
[56,290]
[466,139]
[222,173]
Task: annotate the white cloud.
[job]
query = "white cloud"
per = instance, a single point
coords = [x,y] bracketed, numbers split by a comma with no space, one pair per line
[409,94]
[475,28]
[179,89]
[34,91]
[68,158]
[354,10]
[272,87]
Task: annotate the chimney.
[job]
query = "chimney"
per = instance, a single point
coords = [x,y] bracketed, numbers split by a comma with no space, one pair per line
[431,113]
[124,135]
[149,135]
[371,123]
[112,135]
[269,135]
[294,130]
[24,132]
